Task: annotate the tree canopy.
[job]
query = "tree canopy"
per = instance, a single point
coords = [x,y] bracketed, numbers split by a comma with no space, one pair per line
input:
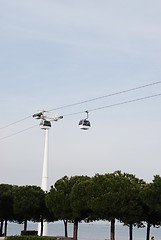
[112,196]
[28,204]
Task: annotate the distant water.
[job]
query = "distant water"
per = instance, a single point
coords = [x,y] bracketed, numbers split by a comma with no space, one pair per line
[89,231]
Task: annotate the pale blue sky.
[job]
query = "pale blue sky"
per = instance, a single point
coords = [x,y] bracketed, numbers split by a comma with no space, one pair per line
[55,52]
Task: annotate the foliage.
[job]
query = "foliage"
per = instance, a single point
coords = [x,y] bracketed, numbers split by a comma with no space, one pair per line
[61,197]
[58,200]
[6,202]
[6,206]
[151,203]
[105,198]
[109,196]
[79,199]
[29,233]
[131,208]
[30,238]
[28,204]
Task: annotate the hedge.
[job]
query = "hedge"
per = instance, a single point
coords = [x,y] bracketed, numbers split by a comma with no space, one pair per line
[29,233]
[25,237]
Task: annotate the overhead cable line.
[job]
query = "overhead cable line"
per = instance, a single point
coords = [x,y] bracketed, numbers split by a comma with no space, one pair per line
[90,110]
[115,104]
[105,96]
[13,134]
[86,101]
[13,123]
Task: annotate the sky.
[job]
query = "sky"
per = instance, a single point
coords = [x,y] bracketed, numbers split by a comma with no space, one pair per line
[55,53]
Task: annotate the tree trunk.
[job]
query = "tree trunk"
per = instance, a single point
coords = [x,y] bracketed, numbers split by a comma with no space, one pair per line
[1,228]
[66,229]
[25,225]
[75,233]
[148,231]
[42,226]
[5,228]
[113,229]
[131,231]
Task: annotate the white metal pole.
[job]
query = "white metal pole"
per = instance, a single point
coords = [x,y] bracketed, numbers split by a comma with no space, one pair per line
[44,183]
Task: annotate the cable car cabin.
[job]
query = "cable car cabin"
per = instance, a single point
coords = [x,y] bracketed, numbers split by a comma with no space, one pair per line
[45,124]
[84,124]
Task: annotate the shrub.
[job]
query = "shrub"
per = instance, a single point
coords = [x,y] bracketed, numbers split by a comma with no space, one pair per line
[29,233]
[29,237]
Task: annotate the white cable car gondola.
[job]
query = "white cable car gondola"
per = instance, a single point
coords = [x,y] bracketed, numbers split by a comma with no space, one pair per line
[44,124]
[84,124]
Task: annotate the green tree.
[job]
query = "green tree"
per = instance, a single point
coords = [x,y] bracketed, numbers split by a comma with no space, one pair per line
[131,208]
[58,201]
[79,198]
[6,206]
[105,199]
[29,204]
[151,200]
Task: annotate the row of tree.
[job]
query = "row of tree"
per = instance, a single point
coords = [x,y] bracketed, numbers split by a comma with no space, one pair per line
[109,197]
